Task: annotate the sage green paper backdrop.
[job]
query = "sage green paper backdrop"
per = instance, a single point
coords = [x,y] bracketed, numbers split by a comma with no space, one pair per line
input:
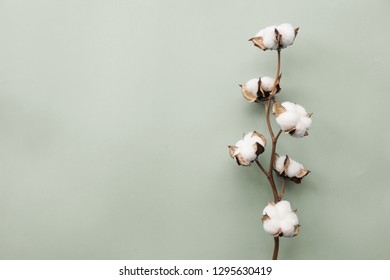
[115,117]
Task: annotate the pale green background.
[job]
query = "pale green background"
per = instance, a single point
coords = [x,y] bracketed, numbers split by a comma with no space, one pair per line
[115,118]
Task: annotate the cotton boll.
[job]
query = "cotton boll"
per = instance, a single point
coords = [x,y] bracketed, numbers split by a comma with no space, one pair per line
[287,228]
[288,34]
[293,169]
[279,164]
[287,120]
[252,86]
[267,83]
[280,219]
[271,226]
[269,37]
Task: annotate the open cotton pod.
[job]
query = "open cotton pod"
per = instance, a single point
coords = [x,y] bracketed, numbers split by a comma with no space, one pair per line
[275,37]
[259,89]
[292,118]
[280,220]
[289,169]
[246,150]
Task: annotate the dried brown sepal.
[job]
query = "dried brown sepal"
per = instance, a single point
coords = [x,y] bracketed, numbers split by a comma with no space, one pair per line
[277,88]
[290,131]
[271,203]
[303,173]
[265,217]
[278,109]
[240,160]
[232,150]
[261,94]
[279,233]
[286,162]
[255,133]
[296,180]
[279,40]
[265,95]
[258,148]
[296,230]
[296,31]
[258,42]
[247,94]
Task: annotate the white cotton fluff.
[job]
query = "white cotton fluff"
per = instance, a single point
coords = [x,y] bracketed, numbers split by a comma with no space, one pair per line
[293,169]
[246,148]
[279,164]
[299,131]
[271,226]
[253,86]
[300,110]
[267,83]
[287,120]
[288,34]
[292,217]
[305,121]
[269,37]
[281,219]
[287,228]
[283,207]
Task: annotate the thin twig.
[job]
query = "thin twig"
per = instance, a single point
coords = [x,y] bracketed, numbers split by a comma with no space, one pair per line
[267,111]
[277,135]
[283,189]
[261,167]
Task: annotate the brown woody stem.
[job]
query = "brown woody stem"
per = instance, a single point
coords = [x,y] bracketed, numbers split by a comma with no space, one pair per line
[269,174]
[276,248]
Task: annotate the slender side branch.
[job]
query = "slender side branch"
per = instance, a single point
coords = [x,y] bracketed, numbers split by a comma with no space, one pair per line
[267,113]
[277,135]
[283,189]
[261,167]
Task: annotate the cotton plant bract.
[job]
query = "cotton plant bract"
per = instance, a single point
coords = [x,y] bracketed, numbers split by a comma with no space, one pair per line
[278,218]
